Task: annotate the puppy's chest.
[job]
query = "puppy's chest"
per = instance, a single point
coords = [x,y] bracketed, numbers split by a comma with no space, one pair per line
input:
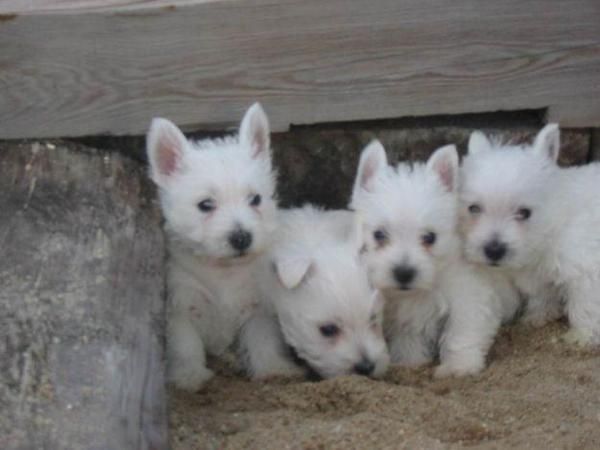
[417,312]
[222,293]
[231,289]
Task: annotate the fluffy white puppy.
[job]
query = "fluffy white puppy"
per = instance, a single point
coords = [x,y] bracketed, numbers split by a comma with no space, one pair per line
[527,217]
[217,198]
[319,313]
[436,304]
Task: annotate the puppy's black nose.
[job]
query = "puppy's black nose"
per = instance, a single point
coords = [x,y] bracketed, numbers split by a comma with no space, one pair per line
[494,250]
[404,274]
[240,240]
[364,367]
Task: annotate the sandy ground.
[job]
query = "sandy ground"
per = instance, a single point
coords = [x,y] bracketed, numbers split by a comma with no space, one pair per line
[538,392]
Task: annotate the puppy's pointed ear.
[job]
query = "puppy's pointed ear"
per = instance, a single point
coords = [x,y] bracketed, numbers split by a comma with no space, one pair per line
[166,146]
[255,133]
[372,163]
[443,163]
[478,143]
[292,270]
[547,142]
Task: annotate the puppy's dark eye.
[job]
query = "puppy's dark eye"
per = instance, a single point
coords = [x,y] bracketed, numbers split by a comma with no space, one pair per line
[329,330]
[429,238]
[207,205]
[380,236]
[255,200]
[523,213]
[475,208]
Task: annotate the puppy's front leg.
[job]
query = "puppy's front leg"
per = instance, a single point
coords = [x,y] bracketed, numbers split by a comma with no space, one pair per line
[262,349]
[469,334]
[185,353]
[544,302]
[583,309]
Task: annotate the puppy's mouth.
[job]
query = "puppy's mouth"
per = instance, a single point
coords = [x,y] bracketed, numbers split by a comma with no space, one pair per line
[402,288]
[235,259]
[310,373]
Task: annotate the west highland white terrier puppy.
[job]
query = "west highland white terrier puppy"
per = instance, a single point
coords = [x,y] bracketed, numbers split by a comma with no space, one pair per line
[436,304]
[319,315]
[217,196]
[539,223]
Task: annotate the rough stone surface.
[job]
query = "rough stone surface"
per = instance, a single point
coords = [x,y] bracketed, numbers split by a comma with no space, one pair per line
[81,301]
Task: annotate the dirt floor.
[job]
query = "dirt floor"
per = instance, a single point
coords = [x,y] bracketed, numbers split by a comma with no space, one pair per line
[538,392]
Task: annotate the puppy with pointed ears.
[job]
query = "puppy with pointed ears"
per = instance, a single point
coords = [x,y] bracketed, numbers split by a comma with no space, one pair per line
[526,217]
[217,196]
[436,304]
[319,313]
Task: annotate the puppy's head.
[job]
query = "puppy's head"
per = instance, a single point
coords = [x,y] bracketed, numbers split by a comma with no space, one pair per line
[328,312]
[216,194]
[409,214]
[504,190]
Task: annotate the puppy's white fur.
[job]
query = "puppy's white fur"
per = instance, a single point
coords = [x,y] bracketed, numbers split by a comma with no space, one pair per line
[446,305]
[554,253]
[313,278]
[208,190]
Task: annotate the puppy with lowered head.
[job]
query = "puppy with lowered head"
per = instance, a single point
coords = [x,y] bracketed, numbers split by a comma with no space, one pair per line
[436,303]
[528,218]
[319,313]
[217,198]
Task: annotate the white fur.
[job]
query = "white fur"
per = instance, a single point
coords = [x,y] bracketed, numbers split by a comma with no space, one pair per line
[553,255]
[311,278]
[448,307]
[211,284]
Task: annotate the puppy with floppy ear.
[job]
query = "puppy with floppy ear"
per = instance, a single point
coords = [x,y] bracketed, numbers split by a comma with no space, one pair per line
[435,302]
[319,314]
[528,219]
[217,196]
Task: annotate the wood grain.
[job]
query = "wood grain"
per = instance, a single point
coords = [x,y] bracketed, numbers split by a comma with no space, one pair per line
[81,304]
[308,61]
[78,6]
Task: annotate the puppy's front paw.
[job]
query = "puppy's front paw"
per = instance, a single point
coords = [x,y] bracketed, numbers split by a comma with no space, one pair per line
[577,337]
[189,377]
[451,369]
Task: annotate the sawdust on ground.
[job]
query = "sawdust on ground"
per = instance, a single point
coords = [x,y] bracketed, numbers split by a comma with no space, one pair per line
[538,392]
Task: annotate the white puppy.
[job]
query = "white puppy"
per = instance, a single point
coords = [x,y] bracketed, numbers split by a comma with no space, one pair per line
[217,199]
[527,217]
[319,312]
[435,302]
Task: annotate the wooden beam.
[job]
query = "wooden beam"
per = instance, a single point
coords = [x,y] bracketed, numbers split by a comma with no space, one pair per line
[81,303]
[308,61]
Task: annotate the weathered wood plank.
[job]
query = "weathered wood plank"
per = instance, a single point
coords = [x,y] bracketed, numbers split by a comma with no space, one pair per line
[81,303]
[78,6]
[308,61]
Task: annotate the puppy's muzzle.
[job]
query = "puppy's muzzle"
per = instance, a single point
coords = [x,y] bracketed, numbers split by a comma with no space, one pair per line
[404,275]
[240,240]
[365,367]
[494,251]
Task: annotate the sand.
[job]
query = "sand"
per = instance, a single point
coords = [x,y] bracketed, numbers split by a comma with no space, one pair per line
[538,392]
